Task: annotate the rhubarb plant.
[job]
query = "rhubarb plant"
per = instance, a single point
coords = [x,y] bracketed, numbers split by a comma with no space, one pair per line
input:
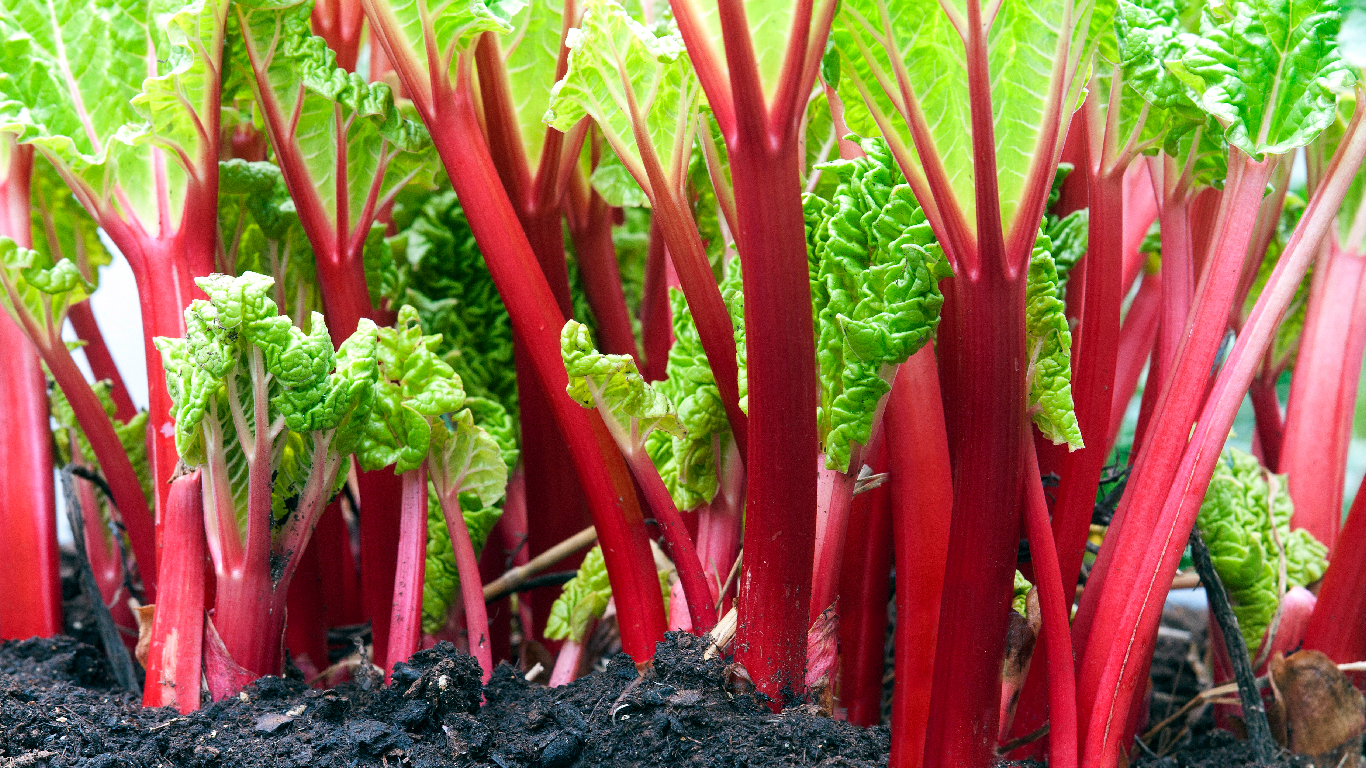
[270,414]
[124,100]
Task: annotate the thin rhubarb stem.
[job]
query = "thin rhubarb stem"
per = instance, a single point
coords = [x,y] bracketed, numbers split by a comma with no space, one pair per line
[113,459]
[1136,338]
[590,226]
[1266,408]
[678,544]
[1337,626]
[405,622]
[570,659]
[864,590]
[471,586]
[1055,602]
[656,319]
[102,364]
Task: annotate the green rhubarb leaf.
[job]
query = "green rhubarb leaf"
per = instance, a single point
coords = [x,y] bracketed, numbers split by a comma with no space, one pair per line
[1068,237]
[98,85]
[770,29]
[687,461]
[1267,70]
[617,67]
[443,578]
[345,179]
[613,180]
[35,287]
[875,39]
[1049,347]
[237,349]
[1019,601]
[261,233]
[875,271]
[466,459]
[1245,521]
[408,26]
[531,54]
[61,227]
[582,600]
[613,385]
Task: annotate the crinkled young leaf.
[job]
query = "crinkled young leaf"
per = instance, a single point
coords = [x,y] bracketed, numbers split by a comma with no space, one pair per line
[415,388]
[33,285]
[442,582]
[1241,521]
[237,345]
[613,384]
[615,62]
[466,459]
[98,84]
[1021,52]
[442,274]
[1068,237]
[1267,70]
[687,461]
[875,271]
[1049,345]
[1019,601]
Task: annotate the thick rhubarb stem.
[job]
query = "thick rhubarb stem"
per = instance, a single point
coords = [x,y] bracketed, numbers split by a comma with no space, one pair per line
[1183,386]
[780,528]
[174,657]
[379,534]
[832,527]
[922,501]
[1094,359]
[536,318]
[1322,402]
[1056,603]
[339,22]
[29,580]
[405,622]
[471,586]
[864,590]
[101,362]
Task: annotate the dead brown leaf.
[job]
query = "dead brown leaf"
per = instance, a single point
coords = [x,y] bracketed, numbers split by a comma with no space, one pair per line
[1324,715]
[146,615]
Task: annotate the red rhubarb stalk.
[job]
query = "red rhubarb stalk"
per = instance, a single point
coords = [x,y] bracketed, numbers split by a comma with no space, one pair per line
[174,656]
[29,580]
[102,364]
[864,589]
[1056,603]
[405,621]
[471,587]
[1137,336]
[1338,625]
[1322,402]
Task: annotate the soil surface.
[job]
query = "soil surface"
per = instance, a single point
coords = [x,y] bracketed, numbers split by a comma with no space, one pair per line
[59,707]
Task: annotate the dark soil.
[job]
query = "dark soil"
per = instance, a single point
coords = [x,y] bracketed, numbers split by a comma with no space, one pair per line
[58,707]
